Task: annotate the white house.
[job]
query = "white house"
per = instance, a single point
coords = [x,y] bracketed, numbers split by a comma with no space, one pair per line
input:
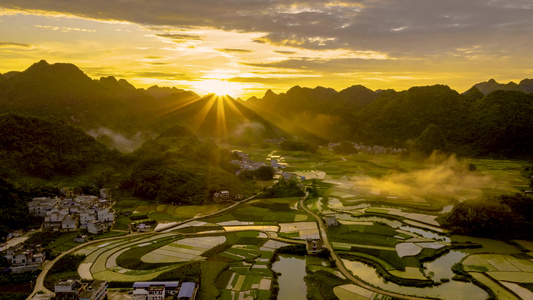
[86,216]
[25,260]
[105,214]
[38,206]
[70,223]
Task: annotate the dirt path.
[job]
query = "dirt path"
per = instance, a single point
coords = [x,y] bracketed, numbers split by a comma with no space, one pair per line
[340,264]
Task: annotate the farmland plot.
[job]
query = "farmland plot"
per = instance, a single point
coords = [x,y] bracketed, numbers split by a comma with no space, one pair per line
[183,250]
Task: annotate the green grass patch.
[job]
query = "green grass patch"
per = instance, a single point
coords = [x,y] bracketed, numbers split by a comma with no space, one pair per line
[63,242]
[121,223]
[109,234]
[391,257]
[162,217]
[320,285]
[223,279]
[210,271]
[357,234]
[183,273]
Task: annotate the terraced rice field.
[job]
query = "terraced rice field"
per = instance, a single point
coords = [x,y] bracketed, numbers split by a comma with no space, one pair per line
[353,292]
[183,250]
[497,263]
[300,230]
[173,212]
[499,290]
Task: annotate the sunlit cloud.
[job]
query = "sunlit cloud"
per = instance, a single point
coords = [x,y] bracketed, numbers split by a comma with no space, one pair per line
[409,40]
[14,44]
[180,38]
[229,50]
[64,29]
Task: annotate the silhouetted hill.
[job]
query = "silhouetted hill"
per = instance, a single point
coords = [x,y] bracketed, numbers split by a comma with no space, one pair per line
[317,113]
[62,91]
[499,124]
[482,121]
[395,118]
[160,92]
[492,85]
[179,168]
[526,85]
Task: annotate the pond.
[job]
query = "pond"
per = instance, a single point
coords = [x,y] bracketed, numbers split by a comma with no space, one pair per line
[291,281]
[454,290]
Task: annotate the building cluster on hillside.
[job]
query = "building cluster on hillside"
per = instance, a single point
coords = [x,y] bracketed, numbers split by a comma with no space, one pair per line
[69,214]
[371,149]
[25,258]
[158,290]
[245,163]
[276,165]
[275,141]
[72,289]
[224,196]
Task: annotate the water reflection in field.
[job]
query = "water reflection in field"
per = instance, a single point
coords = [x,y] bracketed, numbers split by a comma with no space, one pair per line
[451,290]
[291,281]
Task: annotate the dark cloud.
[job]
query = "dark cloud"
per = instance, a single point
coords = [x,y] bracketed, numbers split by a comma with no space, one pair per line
[180,38]
[14,44]
[158,63]
[230,50]
[285,52]
[153,57]
[403,28]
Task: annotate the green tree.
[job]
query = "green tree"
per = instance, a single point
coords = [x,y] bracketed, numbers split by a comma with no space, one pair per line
[264,173]
[345,148]
[431,139]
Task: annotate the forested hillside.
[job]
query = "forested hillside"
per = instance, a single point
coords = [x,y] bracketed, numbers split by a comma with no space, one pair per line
[178,168]
[45,148]
[424,118]
[483,121]
[64,92]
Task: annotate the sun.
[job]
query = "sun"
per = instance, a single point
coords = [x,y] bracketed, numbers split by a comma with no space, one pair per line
[218,87]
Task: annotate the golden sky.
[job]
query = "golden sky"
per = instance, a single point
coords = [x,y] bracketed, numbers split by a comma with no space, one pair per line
[244,47]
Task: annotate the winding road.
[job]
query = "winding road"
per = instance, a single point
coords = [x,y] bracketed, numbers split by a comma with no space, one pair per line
[340,264]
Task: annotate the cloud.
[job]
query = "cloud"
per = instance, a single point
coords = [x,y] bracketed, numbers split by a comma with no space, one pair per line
[285,52]
[158,63]
[407,28]
[14,44]
[153,57]
[64,29]
[154,74]
[230,50]
[180,38]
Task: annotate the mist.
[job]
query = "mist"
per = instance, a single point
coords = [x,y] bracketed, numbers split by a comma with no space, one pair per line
[248,130]
[116,140]
[448,177]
